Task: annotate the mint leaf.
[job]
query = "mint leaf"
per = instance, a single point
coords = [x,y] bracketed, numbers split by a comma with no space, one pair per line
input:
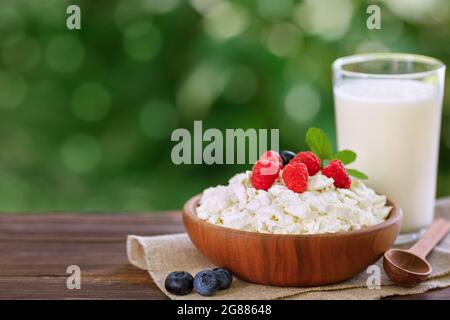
[319,143]
[357,174]
[346,156]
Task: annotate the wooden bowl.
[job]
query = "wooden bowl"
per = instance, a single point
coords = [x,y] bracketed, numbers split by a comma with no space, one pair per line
[291,260]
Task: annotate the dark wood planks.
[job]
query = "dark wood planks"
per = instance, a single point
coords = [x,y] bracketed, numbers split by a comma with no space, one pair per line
[35,251]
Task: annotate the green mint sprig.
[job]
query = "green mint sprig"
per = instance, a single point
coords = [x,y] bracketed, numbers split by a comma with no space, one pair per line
[346,156]
[319,143]
[357,174]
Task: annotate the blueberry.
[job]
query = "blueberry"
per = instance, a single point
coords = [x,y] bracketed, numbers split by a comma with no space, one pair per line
[206,283]
[179,283]
[287,156]
[224,276]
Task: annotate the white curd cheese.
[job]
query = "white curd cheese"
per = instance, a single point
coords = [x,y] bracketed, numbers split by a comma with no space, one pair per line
[323,208]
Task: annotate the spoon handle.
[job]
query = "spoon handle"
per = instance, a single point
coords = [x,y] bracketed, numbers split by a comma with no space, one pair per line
[431,237]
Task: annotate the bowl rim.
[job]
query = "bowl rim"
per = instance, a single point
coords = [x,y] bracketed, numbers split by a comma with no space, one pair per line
[394,217]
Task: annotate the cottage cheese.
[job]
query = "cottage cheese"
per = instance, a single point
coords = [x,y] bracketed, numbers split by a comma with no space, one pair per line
[323,208]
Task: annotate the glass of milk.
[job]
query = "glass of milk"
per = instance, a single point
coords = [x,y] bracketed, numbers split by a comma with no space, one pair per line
[388,110]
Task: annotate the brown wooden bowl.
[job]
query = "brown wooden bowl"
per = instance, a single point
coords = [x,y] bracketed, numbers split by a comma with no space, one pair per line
[291,260]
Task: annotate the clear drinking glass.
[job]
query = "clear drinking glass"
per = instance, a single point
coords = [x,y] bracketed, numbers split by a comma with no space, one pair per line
[388,110]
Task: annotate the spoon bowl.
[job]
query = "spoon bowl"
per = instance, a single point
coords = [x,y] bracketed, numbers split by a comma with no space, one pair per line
[404,267]
[409,267]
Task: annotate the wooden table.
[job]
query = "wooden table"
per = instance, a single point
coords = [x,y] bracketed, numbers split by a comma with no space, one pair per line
[35,251]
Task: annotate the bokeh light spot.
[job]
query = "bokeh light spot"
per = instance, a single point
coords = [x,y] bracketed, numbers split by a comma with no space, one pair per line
[274,10]
[199,90]
[11,23]
[125,13]
[49,12]
[202,6]
[302,103]
[22,53]
[329,19]
[157,119]
[12,89]
[142,41]
[304,67]
[91,101]
[64,53]
[81,153]
[225,20]
[418,11]
[284,39]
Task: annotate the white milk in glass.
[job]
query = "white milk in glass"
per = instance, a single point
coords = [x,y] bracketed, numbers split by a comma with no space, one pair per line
[394,126]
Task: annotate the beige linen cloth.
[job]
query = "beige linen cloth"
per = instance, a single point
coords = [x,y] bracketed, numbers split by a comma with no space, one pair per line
[160,255]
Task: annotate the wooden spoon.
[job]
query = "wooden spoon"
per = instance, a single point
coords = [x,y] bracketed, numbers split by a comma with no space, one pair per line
[409,267]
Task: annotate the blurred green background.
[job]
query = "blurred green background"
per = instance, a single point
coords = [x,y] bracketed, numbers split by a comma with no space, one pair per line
[86,115]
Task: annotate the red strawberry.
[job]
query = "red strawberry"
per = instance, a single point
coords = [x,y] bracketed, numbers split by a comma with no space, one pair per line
[311,161]
[272,156]
[295,177]
[264,174]
[336,170]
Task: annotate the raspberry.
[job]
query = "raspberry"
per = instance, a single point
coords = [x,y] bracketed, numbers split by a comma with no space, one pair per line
[336,170]
[272,156]
[295,177]
[265,172]
[311,161]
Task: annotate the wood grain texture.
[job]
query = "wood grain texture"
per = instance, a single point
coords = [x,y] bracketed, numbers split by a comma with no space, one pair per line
[291,260]
[35,251]
[410,267]
[431,237]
